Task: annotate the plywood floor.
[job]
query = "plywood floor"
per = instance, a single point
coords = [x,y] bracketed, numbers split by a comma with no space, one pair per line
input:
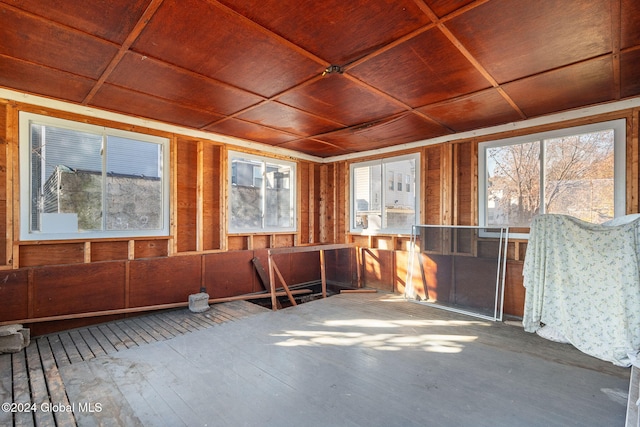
[348,360]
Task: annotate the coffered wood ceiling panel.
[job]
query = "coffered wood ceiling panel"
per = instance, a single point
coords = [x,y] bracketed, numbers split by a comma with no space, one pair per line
[324,78]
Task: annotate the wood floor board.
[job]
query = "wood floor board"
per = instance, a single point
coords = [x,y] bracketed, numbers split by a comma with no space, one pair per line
[55,385]
[113,339]
[58,350]
[92,343]
[122,335]
[106,345]
[21,392]
[143,323]
[38,388]
[132,335]
[81,345]
[70,347]
[6,387]
[142,333]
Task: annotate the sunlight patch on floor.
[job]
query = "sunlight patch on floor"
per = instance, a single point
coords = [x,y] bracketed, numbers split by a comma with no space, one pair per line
[438,343]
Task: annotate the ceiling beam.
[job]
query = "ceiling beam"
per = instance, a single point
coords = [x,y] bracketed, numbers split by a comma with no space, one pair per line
[133,35]
[463,50]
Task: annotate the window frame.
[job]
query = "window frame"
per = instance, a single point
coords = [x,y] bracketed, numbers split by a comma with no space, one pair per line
[26,234]
[387,187]
[619,141]
[293,185]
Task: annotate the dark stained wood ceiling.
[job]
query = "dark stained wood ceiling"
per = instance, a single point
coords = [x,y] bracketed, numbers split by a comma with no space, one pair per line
[398,70]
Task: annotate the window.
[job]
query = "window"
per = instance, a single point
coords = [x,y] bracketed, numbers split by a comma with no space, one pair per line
[79,180]
[390,208]
[577,171]
[262,194]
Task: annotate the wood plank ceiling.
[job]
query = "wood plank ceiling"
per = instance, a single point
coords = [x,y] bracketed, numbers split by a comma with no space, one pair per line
[327,77]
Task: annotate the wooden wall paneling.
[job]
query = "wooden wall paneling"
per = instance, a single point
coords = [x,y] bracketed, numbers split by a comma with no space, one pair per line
[342,266]
[403,243]
[231,273]
[514,290]
[163,280]
[383,242]
[109,250]
[304,267]
[378,269]
[186,176]
[463,212]
[474,280]
[283,240]
[403,259]
[32,255]
[14,294]
[78,288]
[211,196]
[151,248]
[261,241]
[237,243]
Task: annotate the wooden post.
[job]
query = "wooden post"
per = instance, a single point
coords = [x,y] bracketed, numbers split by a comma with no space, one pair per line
[323,274]
[284,284]
[272,283]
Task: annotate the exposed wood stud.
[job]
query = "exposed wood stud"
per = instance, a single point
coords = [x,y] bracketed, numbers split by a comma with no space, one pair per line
[474,183]
[312,203]
[200,226]
[173,200]
[12,188]
[87,252]
[633,167]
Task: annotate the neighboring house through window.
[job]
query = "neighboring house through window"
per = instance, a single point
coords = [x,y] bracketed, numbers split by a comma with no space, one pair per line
[390,208]
[80,180]
[262,194]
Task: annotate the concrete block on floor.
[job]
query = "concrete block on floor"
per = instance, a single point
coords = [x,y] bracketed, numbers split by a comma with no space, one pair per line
[199,303]
[13,338]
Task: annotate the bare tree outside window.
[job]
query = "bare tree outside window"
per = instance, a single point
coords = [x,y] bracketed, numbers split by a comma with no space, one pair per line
[577,179]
